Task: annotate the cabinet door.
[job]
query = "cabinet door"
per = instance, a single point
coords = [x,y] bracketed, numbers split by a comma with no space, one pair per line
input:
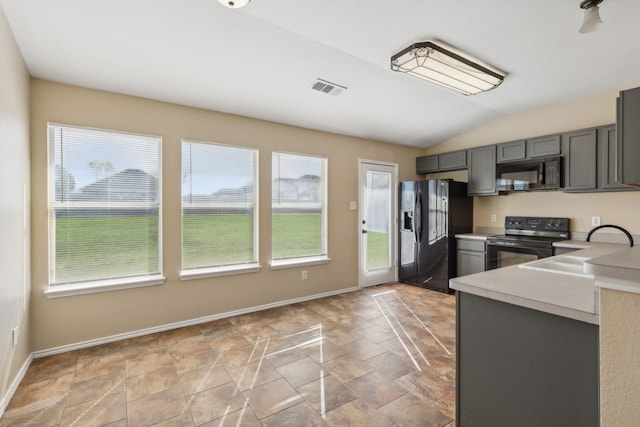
[580,153]
[482,171]
[470,262]
[629,135]
[608,159]
[452,161]
[514,150]
[543,146]
[427,164]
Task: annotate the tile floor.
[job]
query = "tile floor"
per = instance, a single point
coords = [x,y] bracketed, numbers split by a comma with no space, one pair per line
[383,356]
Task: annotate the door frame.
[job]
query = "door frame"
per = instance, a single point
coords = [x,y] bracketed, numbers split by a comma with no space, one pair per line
[362,279]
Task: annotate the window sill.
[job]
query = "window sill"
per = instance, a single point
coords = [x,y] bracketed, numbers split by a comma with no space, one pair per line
[201,273]
[58,291]
[299,262]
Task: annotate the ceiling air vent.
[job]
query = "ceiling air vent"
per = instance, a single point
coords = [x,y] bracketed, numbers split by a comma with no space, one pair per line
[327,87]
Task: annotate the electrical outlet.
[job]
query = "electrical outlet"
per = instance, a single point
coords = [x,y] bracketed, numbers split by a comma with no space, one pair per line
[596,221]
[304,274]
[493,218]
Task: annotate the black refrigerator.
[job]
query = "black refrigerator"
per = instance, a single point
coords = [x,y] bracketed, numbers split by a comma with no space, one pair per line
[432,212]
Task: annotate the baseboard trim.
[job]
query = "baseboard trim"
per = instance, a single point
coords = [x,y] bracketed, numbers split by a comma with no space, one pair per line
[182,324]
[4,402]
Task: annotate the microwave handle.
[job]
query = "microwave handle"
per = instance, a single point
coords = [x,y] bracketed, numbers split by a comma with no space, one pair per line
[541,171]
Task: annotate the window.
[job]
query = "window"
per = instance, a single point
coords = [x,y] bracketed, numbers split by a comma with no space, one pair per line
[219,220]
[104,206]
[298,208]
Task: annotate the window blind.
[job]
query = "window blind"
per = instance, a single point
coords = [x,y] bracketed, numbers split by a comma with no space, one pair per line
[219,218]
[104,204]
[298,206]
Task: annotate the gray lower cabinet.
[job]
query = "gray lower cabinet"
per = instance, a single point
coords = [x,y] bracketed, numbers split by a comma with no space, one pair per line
[471,256]
[482,171]
[581,159]
[522,367]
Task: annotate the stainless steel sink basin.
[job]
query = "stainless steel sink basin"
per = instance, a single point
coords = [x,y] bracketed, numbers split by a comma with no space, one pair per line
[563,264]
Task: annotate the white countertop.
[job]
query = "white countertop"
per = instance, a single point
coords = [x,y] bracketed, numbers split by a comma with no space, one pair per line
[565,295]
[619,270]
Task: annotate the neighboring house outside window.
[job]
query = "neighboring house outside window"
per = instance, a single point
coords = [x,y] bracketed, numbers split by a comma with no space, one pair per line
[104,207]
[298,208]
[219,209]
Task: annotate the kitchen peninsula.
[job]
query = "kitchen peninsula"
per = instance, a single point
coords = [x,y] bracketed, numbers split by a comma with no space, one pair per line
[528,343]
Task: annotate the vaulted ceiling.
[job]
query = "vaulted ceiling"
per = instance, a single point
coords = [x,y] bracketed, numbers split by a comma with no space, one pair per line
[260,61]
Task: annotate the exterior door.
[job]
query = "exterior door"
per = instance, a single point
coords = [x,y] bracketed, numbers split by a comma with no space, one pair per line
[377,223]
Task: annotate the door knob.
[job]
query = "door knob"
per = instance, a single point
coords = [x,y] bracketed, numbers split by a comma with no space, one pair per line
[364,231]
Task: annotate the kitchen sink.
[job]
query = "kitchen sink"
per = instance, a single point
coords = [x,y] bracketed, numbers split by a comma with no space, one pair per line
[562,264]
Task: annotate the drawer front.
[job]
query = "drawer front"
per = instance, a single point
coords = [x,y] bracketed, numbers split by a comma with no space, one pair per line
[471,245]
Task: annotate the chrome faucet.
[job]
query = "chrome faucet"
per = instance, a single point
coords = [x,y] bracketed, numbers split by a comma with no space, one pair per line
[612,226]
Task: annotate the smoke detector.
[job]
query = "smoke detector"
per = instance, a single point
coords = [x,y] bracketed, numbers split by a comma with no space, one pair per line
[327,87]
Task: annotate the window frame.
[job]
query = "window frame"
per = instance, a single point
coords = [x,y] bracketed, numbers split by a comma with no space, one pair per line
[228,269]
[302,261]
[63,289]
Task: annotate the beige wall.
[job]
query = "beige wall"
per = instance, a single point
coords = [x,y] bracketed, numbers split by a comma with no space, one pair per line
[619,208]
[619,353]
[14,210]
[62,321]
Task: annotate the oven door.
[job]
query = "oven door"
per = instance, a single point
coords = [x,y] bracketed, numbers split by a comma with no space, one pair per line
[499,256]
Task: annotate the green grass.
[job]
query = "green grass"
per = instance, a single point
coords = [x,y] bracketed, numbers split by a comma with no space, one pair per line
[377,250]
[81,247]
[295,235]
[82,243]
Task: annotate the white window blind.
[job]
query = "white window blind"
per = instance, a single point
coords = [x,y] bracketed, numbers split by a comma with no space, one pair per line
[104,205]
[219,220]
[298,206]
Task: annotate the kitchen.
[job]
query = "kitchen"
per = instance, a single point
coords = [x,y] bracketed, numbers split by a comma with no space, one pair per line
[47,324]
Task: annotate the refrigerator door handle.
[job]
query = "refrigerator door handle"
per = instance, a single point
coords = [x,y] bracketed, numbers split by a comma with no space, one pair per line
[417,226]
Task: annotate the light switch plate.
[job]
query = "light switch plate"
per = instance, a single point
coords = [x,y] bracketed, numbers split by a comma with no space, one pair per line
[353,206]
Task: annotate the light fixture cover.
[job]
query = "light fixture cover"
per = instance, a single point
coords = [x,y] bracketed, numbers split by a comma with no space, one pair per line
[592,21]
[446,67]
[234,4]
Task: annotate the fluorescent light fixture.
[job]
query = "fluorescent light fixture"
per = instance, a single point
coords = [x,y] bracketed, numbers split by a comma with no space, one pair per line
[447,67]
[592,20]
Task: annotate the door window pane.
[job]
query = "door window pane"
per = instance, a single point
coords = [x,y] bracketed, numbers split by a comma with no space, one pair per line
[378,219]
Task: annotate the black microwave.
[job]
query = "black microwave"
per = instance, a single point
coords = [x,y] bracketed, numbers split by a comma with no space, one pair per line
[527,175]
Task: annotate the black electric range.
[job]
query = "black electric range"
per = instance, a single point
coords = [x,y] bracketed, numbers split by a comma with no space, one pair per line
[525,239]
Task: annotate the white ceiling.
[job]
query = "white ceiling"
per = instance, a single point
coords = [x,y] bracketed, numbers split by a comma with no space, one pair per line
[260,61]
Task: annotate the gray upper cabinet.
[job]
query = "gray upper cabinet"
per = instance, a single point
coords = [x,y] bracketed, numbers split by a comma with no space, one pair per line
[453,160]
[543,146]
[509,151]
[581,157]
[591,159]
[427,164]
[629,135]
[608,160]
[482,171]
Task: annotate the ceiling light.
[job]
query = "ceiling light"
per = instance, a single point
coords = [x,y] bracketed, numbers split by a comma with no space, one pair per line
[592,19]
[446,67]
[234,4]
